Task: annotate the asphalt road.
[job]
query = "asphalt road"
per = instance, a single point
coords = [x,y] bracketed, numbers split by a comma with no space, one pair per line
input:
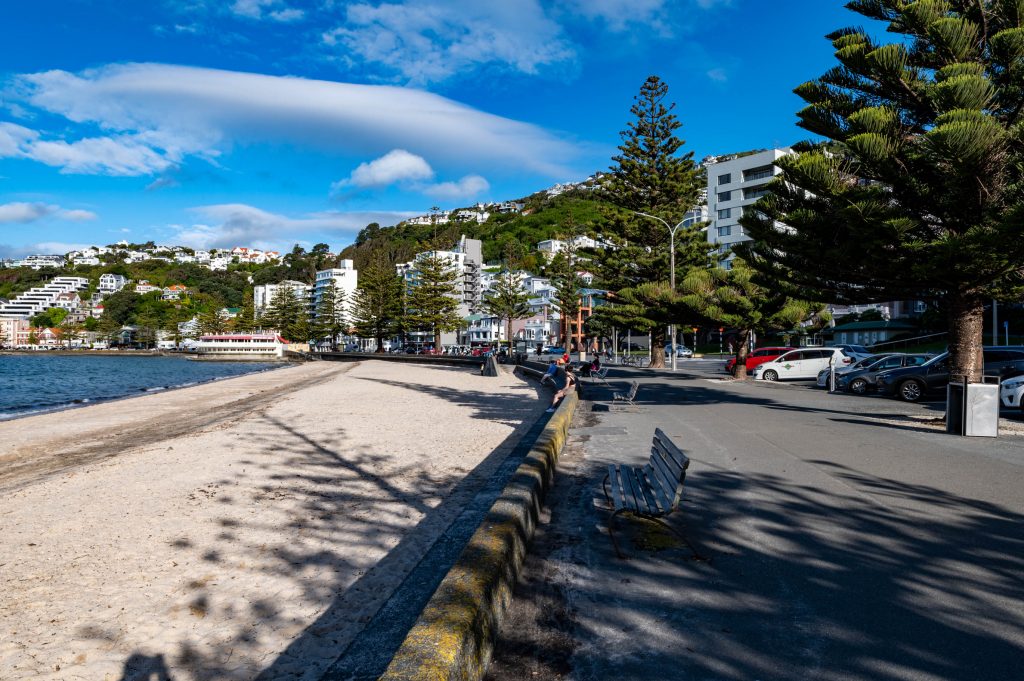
[849,537]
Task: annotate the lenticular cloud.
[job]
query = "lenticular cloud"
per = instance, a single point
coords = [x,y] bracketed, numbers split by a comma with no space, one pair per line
[155,115]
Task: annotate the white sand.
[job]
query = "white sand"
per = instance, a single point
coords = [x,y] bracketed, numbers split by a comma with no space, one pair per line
[261,513]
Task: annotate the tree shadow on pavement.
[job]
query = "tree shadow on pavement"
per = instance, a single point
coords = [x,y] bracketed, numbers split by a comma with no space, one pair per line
[907,581]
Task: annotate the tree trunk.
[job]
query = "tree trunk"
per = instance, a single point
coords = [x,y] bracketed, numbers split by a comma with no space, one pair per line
[966,328]
[742,351]
[437,340]
[380,345]
[658,348]
[508,335]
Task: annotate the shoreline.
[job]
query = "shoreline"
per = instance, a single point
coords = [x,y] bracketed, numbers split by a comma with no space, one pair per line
[6,417]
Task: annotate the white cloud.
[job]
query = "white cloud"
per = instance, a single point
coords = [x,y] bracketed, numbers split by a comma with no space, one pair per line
[266,9]
[618,15]
[31,212]
[398,165]
[229,225]
[158,115]
[431,40]
[719,75]
[466,188]
[47,247]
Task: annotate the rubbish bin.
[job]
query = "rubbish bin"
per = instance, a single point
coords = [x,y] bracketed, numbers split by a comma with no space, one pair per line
[972,409]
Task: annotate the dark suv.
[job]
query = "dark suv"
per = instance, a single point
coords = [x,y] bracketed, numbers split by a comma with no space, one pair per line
[912,383]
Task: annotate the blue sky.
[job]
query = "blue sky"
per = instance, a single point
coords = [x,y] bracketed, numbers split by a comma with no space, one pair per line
[272,122]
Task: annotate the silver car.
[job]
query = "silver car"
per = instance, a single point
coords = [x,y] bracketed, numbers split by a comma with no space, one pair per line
[859,364]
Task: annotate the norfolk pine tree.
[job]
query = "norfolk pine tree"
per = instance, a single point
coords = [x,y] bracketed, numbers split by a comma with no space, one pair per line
[919,195]
[733,298]
[650,176]
[508,301]
[377,303]
[433,302]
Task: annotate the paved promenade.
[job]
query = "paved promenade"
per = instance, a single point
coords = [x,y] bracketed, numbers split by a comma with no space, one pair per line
[849,537]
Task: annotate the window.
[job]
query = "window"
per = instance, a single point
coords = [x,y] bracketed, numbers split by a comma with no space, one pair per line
[725,179]
[759,173]
[755,192]
[725,213]
[725,231]
[725,196]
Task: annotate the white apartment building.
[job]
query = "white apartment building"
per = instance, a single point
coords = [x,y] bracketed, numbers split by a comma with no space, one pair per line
[41,298]
[264,294]
[344,277]
[38,262]
[734,183]
[466,258]
[112,283]
[144,287]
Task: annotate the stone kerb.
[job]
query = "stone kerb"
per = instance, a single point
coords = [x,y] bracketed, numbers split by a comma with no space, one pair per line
[454,635]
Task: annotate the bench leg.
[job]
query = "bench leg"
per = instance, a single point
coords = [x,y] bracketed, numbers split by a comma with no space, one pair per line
[611,534]
[696,554]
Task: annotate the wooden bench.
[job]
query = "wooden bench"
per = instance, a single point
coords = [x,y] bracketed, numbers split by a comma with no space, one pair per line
[652,491]
[627,397]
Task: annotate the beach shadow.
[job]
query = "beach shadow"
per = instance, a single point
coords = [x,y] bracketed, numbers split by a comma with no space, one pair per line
[146,668]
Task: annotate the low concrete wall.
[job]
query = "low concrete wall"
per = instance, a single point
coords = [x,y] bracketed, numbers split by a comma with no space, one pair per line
[444,360]
[454,635]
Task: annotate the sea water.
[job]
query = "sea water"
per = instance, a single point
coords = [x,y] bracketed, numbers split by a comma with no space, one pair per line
[36,383]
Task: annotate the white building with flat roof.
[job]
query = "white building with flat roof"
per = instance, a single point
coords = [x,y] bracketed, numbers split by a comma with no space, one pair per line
[735,182]
[263,295]
[41,298]
[344,278]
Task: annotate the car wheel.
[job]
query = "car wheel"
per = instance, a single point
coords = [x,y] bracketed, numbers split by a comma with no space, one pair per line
[859,386]
[770,375]
[910,391]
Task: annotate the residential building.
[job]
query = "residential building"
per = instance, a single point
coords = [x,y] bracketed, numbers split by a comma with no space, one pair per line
[253,345]
[263,295]
[68,300]
[144,287]
[735,182]
[869,333]
[41,298]
[112,283]
[38,262]
[14,332]
[483,329]
[174,292]
[550,247]
[466,258]
[87,260]
[344,278]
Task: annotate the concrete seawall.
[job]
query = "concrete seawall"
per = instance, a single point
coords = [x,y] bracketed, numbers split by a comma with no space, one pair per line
[454,635]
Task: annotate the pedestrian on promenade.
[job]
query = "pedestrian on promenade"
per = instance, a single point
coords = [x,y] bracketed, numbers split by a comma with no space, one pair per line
[549,375]
[570,385]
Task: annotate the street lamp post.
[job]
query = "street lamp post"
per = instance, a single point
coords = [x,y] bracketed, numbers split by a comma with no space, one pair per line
[671,272]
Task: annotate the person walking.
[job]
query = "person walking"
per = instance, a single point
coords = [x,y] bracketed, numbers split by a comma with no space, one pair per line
[570,385]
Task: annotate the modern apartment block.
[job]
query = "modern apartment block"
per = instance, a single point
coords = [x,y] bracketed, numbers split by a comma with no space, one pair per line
[466,258]
[344,277]
[41,298]
[734,183]
[264,294]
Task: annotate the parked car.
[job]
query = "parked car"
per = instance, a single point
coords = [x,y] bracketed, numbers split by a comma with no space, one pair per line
[803,363]
[854,351]
[554,350]
[681,351]
[911,384]
[840,371]
[758,356]
[1012,392]
[862,379]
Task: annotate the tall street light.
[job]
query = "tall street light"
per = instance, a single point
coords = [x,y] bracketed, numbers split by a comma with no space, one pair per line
[671,271]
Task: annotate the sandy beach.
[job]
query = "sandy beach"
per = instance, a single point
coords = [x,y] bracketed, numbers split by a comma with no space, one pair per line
[238,527]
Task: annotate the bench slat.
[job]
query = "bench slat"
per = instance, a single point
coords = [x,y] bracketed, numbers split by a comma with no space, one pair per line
[666,478]
[674,470]
[635,499]
[659,490]
[615,486]
[677,454]
[641,489]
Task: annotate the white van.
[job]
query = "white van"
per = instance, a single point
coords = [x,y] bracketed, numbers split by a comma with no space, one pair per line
[802,363]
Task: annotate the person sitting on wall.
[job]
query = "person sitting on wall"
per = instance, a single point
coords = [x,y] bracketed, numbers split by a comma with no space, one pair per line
[570,385]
